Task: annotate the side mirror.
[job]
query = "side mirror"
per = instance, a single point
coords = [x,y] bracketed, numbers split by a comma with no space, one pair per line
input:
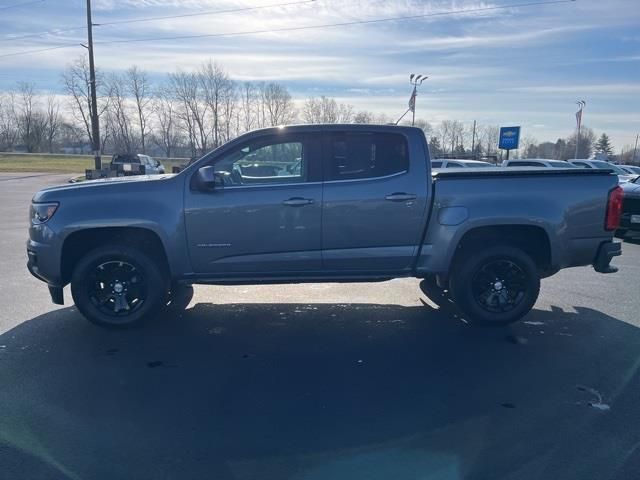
[207,179]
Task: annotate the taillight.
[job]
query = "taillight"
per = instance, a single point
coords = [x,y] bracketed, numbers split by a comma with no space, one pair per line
[614,209]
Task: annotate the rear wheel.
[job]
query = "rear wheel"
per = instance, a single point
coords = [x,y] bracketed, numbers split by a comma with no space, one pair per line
[496,286]
[117,286]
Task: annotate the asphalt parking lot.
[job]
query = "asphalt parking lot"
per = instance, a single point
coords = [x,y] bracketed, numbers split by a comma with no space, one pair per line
[356,381]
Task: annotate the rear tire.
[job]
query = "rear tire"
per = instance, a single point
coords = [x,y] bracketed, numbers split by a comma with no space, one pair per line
[118,286]
[496,286]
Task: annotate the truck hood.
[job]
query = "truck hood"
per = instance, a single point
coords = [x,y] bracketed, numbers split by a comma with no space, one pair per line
[119,184]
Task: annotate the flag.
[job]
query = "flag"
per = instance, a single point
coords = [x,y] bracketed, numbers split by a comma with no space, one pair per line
[412,100]
[579,118]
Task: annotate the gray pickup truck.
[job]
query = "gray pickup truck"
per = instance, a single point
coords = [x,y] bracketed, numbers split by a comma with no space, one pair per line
[321,203]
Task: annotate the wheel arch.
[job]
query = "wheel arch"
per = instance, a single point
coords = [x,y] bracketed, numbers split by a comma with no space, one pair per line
[80,242]
[532,239]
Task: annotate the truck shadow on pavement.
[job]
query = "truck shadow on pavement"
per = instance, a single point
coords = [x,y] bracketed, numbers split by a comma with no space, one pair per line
[320,391]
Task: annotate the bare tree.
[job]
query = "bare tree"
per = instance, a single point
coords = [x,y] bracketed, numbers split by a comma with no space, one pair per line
[585,147]
[185,88]
[364,116]
[219,96]
[276,105]
[53,121]
[490,135]
[248,107]
[30,120]
[119,116]
[326,110]
[77,85]
[138,87]
[8,122]
[168,131]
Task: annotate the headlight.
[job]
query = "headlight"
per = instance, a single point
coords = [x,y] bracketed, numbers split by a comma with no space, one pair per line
[42,212]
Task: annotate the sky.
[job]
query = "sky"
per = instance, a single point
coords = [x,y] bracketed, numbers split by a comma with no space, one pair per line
[523,65]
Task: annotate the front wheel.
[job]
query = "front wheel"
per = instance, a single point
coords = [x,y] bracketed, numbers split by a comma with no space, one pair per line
[496,286]
[117,286]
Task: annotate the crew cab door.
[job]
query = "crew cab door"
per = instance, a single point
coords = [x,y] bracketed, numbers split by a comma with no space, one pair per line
[375,201]
[266,217]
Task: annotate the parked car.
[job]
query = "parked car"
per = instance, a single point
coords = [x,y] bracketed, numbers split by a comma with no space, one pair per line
[136,164]
[631,208]
[334,203]
[602,165]
[537,162]
[459,163]
[630,169]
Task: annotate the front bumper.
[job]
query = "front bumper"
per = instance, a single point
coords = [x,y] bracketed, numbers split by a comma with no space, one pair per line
[606,252]
[40,266]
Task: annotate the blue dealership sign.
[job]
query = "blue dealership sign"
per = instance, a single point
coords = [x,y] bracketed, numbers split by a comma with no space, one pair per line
[509,138]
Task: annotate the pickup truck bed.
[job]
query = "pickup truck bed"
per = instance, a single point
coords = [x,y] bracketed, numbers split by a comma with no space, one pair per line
[346,203]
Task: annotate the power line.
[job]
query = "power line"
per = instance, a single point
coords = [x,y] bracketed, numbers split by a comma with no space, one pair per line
[211,12]
[308,27]
[339,24]
[23,4]
[153,19]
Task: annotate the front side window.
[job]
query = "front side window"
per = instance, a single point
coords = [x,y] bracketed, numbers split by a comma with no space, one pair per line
[366,155]
[264,162]
[436,164]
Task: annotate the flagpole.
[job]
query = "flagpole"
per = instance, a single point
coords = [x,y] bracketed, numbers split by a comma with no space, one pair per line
[581,104]
[414,80]
[415,93]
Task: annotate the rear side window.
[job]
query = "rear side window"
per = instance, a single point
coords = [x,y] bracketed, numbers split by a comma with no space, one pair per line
[582,165]
[454,165]
[561,164]
[365,155]
[525,164]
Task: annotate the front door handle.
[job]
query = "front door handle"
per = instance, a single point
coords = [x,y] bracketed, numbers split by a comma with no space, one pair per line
[400,197]
[297,202]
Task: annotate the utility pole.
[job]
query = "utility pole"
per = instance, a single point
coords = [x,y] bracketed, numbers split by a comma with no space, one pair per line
[635,148]
[95,125]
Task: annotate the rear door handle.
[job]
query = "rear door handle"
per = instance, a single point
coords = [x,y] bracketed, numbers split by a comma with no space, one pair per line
[400,197]
[297,202]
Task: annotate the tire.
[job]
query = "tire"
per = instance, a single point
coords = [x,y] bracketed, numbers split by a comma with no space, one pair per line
[480,285]
[179,297]
[620,233]
[436,294]
[118,286]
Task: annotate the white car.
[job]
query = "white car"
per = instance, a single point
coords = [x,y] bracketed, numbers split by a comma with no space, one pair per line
[630,169]
[537,162]
[459,163]
[602,165]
